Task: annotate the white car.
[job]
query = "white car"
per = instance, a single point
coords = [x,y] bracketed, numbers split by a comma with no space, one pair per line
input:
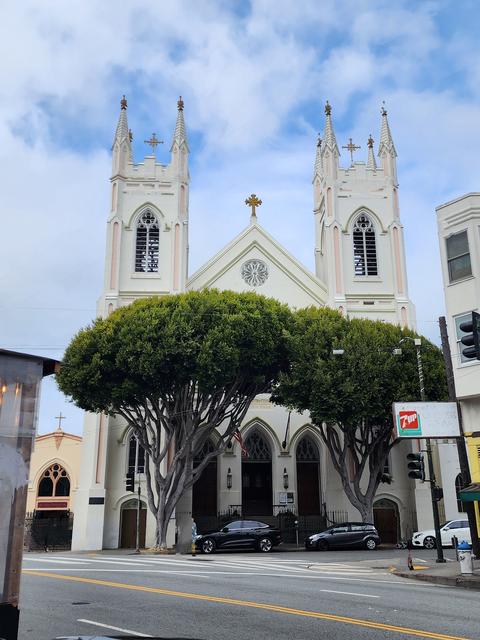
[457,528]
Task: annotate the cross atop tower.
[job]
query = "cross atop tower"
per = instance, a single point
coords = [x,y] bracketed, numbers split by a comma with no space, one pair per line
[351,148]
[253,202]
[153,142]
[60,418]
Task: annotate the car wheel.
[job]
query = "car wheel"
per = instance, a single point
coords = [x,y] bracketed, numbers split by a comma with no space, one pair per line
[208,546]
[429,542]
[265,545]
[322,545]
[371,544]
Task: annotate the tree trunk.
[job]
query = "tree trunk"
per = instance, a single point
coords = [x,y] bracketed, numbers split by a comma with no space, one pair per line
[366,511]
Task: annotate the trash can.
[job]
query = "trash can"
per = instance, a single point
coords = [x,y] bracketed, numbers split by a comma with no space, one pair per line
[465,558]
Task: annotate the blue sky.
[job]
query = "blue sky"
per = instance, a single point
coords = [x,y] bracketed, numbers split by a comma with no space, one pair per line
[254,77]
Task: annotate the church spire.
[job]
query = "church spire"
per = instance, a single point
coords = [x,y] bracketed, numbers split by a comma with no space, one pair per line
[122,142]
[329,139]
[386,149]
[371,163]
[329,150]
[318,167]
[180,133]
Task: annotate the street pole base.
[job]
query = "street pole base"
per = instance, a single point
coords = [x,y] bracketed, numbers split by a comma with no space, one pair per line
[441,560]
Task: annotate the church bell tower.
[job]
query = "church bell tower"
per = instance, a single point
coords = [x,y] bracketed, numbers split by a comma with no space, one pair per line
[359,245]
[147,228]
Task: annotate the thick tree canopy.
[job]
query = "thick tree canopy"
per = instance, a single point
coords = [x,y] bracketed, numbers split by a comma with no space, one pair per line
[177,369]
[156,346]
[350,396]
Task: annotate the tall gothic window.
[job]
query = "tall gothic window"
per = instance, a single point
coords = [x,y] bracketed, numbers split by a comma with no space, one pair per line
[136,456]
[147,243]
[364,247]
[257,446]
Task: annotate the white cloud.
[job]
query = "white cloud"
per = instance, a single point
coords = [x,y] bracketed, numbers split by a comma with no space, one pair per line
[254,85]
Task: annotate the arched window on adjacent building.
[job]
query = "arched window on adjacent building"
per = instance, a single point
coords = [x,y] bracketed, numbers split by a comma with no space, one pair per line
[364,247]
[147,243]
[136,456]
[54,482]
[458,487]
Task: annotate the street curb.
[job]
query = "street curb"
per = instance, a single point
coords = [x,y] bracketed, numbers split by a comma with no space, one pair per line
[452,581]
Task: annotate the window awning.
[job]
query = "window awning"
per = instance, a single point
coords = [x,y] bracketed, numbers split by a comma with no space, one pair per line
[470,493]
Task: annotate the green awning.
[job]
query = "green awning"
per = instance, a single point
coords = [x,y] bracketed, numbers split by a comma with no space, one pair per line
[470,493]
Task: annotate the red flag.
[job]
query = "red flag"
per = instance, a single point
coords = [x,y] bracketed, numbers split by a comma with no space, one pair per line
[238,437]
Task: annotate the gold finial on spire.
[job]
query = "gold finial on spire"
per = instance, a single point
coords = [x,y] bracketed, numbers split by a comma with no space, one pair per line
[328,108]
[180,104]
[123,102]
[253,202]
[130,135]
[370,142]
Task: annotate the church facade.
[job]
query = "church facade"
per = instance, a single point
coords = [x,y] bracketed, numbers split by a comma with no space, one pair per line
[359,269]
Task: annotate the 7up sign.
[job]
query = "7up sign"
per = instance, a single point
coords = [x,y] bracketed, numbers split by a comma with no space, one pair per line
[425,420]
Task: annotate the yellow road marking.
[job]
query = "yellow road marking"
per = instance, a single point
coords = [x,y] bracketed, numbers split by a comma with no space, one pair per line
[246,603]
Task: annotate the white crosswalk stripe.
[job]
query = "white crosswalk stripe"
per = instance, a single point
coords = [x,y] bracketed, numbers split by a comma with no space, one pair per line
[201,566]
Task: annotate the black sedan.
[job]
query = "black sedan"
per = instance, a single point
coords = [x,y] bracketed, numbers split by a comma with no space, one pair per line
[240,534]
[347,535]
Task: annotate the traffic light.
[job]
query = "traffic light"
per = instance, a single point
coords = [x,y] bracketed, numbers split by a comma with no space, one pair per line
[416,466]
[130,481]
[472,339]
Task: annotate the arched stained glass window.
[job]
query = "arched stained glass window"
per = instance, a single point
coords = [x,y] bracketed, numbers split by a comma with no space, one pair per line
[257,446]
[204,451]
[136,456]
[307,450]
[54,482]
[364,247]
[147,243]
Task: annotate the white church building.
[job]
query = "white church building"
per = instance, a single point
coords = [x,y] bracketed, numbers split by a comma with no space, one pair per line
[359,269]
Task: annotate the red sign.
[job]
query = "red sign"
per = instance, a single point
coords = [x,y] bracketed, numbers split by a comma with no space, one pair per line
[409,420]
[44,504]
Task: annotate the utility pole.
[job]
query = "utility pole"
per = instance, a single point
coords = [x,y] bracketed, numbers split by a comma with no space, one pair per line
[431,474]
[461,446]
[137,548]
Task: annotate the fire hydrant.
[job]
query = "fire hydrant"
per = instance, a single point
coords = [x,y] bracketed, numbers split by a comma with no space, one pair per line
[465,558]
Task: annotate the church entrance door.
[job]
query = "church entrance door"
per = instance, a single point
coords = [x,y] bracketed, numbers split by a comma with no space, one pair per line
[387,520]
[204,494]
[128,525]
[308,481]
[257,476]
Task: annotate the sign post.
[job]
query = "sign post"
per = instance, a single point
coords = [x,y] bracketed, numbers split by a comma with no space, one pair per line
[427,420]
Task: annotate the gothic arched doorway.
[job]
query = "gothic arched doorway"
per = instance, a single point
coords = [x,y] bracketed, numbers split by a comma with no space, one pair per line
[308,481]
[257,476]
[204,493]
[128,524]
[387,520]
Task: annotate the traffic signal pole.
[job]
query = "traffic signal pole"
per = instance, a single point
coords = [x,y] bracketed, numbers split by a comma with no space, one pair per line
[461,446]
[137,548]
[431,474]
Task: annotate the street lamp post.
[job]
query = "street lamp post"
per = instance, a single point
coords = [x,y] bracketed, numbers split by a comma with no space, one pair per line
[431,473]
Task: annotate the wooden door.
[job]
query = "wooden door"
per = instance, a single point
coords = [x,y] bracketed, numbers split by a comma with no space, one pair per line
[308,490]
[128,538]
[385,520]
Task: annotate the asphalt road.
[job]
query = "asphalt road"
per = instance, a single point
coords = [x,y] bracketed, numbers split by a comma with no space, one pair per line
[347,595]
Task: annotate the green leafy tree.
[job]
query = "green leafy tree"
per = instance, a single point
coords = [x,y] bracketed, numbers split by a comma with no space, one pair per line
[350,395]
[176,369]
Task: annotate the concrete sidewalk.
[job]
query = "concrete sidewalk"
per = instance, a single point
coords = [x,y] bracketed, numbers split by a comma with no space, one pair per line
[447,574]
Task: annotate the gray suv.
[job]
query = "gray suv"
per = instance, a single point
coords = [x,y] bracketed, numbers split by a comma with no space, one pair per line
[348,535]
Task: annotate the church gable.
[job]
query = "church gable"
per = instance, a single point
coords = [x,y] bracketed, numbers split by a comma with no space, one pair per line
[254,261]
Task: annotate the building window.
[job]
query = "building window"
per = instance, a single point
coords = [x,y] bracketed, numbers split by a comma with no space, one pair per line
[459,335]
[364,247]
[257,447]
[136,456]
[147,243]
[54,482]
[458,257]
[458,487]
